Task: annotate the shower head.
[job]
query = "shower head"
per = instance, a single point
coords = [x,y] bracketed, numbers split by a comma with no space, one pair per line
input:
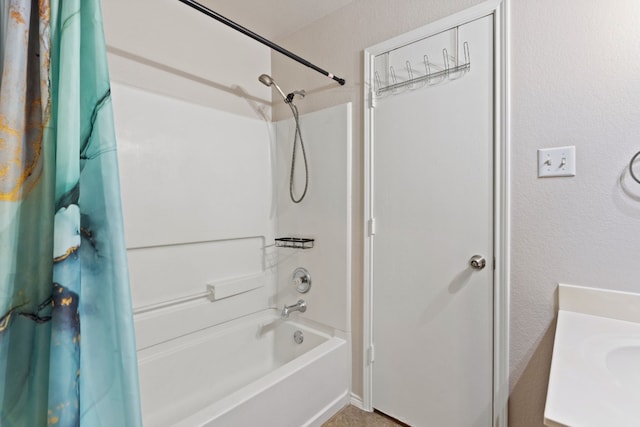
[268,81]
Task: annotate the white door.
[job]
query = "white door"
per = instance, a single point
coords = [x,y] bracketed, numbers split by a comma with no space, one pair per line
[433,209]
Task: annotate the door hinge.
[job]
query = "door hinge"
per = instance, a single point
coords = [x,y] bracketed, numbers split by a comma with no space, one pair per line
[370,355]
[371,226]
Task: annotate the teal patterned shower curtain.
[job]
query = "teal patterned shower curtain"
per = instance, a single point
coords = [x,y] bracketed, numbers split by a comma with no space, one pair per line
[67,347]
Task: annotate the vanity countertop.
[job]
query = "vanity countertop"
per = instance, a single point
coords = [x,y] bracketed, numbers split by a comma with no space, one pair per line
[595,369]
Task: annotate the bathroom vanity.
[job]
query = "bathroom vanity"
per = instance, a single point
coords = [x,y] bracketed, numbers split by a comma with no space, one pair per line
[595,369]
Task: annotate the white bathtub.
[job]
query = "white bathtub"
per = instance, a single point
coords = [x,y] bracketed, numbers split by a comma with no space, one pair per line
[248,372]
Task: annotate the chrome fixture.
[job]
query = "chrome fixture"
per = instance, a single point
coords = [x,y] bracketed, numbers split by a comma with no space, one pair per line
[301,93]
[300,306]
[477,262]
[267,80]
[302,280]
[298,337]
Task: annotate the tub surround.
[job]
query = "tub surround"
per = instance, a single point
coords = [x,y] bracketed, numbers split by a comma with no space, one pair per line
[324,214]
[204,195]
[595,369]
[202,205]
[197,186]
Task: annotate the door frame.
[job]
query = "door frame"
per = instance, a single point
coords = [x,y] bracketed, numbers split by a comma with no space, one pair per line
[500,10]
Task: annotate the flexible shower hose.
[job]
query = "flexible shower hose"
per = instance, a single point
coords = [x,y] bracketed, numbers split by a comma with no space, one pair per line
[297,136]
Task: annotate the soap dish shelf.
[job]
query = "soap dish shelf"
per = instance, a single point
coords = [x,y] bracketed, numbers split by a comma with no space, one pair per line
[294,242]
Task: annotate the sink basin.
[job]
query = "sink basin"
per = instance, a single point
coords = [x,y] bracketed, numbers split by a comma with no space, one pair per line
[595,369]
[624,365]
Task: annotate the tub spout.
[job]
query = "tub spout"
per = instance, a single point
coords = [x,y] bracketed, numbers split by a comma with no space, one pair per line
[300,306]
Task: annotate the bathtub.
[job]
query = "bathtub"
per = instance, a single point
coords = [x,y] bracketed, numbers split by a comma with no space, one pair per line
[247,372]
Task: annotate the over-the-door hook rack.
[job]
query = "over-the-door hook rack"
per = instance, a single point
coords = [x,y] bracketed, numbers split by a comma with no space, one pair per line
[635,177]
[447,72]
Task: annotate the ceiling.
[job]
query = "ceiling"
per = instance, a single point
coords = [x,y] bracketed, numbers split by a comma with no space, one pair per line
[274,19]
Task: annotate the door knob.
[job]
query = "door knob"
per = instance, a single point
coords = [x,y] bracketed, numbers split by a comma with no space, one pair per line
[477,262]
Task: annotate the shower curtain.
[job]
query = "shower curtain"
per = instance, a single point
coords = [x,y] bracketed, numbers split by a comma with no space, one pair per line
[67,348]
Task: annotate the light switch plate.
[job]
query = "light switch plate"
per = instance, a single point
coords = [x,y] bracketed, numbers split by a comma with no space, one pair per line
[558,161]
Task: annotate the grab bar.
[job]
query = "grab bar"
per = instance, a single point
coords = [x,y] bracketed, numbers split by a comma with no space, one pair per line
[215,291]
[146,308]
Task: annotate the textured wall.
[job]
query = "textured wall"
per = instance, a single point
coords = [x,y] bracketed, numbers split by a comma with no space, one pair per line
[575,81]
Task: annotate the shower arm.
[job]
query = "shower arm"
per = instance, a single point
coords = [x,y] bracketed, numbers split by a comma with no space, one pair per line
[203,9]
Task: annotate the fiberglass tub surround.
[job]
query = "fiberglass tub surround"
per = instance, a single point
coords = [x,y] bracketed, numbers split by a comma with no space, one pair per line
[209,288]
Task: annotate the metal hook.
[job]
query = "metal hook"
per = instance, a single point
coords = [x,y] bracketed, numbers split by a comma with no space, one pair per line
[445,56]
[378,83]
[410,74]
[427,68]
[393,77]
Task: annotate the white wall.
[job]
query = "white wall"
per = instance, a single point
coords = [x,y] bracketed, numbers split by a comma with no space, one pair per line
[575,68]
[166,47]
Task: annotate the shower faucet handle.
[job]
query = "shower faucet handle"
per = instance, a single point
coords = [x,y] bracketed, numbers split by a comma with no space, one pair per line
[302,280]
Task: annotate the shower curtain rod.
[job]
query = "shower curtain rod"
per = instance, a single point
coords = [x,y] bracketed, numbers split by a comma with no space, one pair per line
[201,8]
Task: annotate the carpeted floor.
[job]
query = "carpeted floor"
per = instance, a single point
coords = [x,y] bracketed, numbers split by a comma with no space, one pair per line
[351,416]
